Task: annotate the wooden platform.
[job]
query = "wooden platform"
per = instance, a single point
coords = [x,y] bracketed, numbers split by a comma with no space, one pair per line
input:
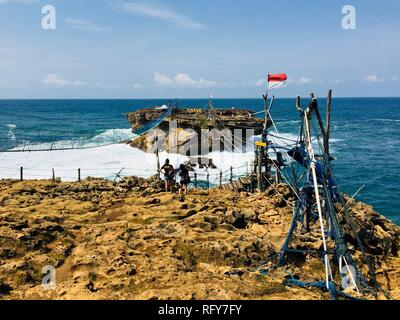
[243,184]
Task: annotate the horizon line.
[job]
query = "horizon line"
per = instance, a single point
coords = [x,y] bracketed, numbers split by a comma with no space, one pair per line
[224,98]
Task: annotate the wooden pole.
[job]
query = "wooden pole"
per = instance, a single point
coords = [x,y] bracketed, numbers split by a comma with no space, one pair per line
[54,175]
[265,97]
[195,180]
[79,175]
[259,169]
[298,104]
[220,178]
[21,173]
[328,119]
[231,178]
[267,163]
[208,181]
[158,159]
[278,174]
[264,151]
[314,106]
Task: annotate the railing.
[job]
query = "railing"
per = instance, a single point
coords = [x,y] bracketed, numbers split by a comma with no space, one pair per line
[200,179]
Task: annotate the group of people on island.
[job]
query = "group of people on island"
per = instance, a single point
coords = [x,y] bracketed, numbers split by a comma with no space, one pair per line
[170,173]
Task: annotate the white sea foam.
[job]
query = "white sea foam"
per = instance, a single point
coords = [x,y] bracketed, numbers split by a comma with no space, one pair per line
[11,131]
[104,138]
[387,120]
[106,161]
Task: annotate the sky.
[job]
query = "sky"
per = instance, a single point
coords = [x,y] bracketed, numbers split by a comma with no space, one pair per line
[192,49]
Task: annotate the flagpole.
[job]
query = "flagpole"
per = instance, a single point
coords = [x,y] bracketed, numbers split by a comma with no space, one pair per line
[265,106]
[263,151]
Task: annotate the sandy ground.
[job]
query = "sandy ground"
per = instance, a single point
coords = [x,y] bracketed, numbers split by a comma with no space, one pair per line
[132,241]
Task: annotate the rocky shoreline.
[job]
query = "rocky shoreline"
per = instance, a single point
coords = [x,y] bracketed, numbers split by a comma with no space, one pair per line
[130,240]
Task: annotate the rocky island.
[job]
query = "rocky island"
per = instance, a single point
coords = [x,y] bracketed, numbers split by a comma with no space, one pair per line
[187,126]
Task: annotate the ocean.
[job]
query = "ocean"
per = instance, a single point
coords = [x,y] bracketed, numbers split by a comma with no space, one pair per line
[365,141]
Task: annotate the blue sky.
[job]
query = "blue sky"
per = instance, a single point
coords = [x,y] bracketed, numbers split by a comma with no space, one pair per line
[190,49]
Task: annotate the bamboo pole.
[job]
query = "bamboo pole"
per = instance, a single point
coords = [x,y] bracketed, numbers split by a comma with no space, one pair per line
[259,169]
[265,97]
[158,159]
[298,104]
[328,119]
[21,173]
[277,174]
[79,175]
[54,175]
[314,106]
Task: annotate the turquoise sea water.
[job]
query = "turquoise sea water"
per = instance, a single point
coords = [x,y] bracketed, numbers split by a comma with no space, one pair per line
[365,133]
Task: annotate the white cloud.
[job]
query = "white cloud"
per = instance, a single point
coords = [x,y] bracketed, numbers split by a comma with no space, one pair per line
[183,80]
[162,79]
[85,25]
[135,86]
[53,80]
[373,78]
[261,82]
[303,80]
[157,11]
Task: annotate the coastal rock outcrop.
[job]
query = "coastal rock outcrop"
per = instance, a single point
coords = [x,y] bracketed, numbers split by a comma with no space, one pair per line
[131,240]
[183,132]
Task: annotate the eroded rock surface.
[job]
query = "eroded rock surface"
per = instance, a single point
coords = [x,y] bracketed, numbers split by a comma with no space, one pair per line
[130,240]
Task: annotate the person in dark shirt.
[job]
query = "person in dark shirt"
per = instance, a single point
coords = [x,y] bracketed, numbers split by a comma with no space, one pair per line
[184,179]
[169,174]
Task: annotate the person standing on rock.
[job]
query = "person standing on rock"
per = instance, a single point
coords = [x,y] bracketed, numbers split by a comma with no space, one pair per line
[184,179]
[169,174]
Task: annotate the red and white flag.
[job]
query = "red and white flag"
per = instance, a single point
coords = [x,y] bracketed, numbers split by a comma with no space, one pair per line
[277,80]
